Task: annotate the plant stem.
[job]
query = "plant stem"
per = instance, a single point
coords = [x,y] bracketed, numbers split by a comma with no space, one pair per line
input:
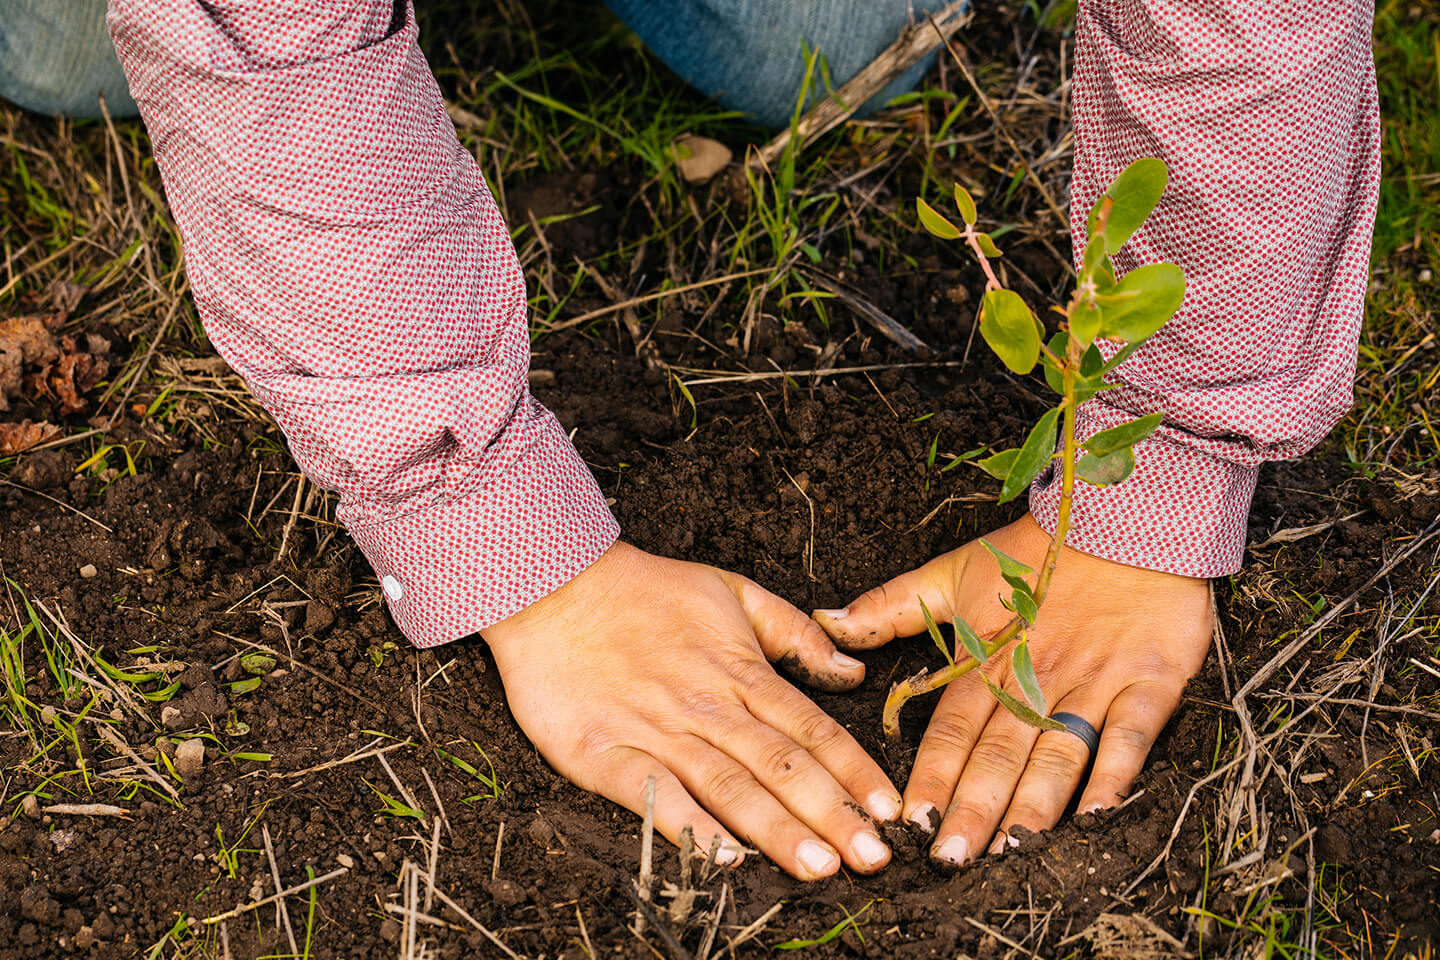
[902,691]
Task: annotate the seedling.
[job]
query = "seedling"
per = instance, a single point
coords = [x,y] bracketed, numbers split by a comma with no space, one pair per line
[1121,313]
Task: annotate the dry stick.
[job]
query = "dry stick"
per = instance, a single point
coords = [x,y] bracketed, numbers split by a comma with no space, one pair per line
[647,852]
[364,753]
[294,517]
[888,326]
[1242,710]
[405,793]
[495,863]
[913,45]
[145,362]
[643,910]
[140,761]
[298,888]
[825,372]
[584,933]
[86,810]
[434,862]
[435,794]
[476,924]
[636,301]
[714,926]
[1004,130]
[752,931]
[59,503]
[307,668]
[280,907]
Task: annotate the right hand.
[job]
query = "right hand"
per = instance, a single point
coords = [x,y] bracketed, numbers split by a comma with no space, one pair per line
[646,667]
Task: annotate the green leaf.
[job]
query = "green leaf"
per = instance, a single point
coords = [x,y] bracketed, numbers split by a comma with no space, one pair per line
[1025,675]
[1094,256]
[935,223]
[1141,303]
[987,245]
[257,663]
[999,465]
[1009,566]
[1021,711]
[934,629]
[1034,456]
[245,686]
[1108,470]
[969,639]
[1011,330]
[1125,435]
[1023,603]
[965,204]
[1133,196]
[967,455]
[1085,323]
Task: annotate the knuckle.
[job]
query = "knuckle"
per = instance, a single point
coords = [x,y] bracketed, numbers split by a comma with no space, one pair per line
[1057,757]
[784,761]
[818,731]
[1131,736]
[951,731]
[596,742]
[727,789]
[996,755]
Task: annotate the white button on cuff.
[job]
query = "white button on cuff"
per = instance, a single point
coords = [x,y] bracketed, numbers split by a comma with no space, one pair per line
[392,588]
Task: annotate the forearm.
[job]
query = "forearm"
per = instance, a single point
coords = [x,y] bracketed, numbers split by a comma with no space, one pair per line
[1269,126]
[348,260]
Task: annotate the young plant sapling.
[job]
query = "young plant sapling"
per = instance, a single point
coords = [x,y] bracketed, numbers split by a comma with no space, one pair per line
[1124,312]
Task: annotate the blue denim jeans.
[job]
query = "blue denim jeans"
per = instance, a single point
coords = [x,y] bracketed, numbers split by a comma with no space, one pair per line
[55,55]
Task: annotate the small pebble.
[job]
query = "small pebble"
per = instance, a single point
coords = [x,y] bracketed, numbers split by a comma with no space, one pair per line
[88,571]
[345,860]
[30,806]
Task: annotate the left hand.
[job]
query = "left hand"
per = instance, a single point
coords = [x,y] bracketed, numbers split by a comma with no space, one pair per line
[1114,644]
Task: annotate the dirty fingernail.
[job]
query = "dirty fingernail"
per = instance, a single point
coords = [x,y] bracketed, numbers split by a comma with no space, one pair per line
[844,662]
[815,857]
[883,806]
[839,614]
[869,849]
[922,815]
[1094,806]
[953,850]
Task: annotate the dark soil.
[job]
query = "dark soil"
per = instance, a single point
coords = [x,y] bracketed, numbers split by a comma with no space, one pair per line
[183,570]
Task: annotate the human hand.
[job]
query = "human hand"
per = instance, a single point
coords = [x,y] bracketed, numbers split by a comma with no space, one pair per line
[643,666]
[1113,644]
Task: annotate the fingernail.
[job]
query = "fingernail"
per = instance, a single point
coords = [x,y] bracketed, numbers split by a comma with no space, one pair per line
[883,806]
[1092,807]
[869,849]
[839,614]
[922,815]
[816,858]
[844,662]
[952,850]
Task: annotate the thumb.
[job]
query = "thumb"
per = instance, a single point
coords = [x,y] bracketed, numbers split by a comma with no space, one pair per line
[793,640]
[892,609]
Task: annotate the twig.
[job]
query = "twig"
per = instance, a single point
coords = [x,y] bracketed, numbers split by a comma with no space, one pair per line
[913,45]
[495,863]
[86,810]
[741,377]
[636,301]
[298,888]
[280,907]
[140,762]
[476,924]
[644,884]
[59,503]
[753,930]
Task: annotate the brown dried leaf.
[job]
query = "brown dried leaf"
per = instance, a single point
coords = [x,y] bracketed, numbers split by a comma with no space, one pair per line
[25,341]
[18,437]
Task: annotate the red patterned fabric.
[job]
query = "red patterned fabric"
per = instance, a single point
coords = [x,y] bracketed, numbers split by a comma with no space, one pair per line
[348,260]
[1267,116]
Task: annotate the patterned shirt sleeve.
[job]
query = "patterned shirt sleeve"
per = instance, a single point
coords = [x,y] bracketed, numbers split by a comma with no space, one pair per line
[1268,118]
[348,260]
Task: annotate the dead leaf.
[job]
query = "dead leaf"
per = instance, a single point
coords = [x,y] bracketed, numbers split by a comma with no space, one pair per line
[37,365]
[24,342]
[18,437]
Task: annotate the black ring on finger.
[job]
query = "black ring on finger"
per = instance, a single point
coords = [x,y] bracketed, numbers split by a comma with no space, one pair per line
[1082,728]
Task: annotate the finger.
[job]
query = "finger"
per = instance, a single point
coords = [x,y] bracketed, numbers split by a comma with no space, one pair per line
[795,778]
[793,640]
[732,794]
[625,780]
[788,710]
[986,785]
[1132,723]
[1053,774]
[964,709]
[892,609]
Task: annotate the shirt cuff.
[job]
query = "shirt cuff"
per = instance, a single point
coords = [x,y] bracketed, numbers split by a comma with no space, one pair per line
[464,562]
[1181,511]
